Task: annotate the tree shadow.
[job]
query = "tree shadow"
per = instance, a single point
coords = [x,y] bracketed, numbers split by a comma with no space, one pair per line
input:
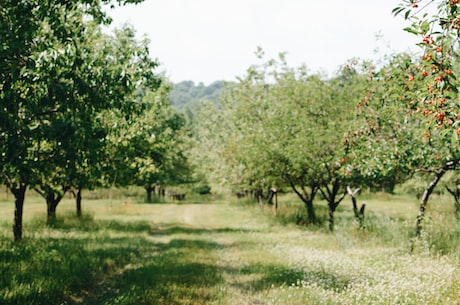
[105,270]
[158,284]
[269,275]
[87,224]
[134,268]
[170,275]
[159,229]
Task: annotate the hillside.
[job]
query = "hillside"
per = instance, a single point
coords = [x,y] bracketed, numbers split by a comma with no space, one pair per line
[186,93]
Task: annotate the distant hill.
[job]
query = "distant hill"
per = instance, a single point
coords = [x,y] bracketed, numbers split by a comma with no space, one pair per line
[187,93]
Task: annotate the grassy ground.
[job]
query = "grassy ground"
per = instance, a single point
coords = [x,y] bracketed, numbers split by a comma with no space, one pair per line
[217,252]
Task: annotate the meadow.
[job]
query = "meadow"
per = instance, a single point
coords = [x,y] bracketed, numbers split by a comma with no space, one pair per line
[220,250]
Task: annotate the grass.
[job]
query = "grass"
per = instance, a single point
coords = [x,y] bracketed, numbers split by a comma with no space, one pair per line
[123,251]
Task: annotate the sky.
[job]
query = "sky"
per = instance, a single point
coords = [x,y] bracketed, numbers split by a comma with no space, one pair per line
[209,40]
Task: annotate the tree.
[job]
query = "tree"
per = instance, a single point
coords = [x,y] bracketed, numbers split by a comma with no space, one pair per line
[380,143]
[43,83]
[407,120]
[206,153]
[155,144]
[281,127]
[343,91]
[120,72]
[437,99]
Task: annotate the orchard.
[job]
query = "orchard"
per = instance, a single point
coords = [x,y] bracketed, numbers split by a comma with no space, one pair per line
[269,163]
[373,125]
[87,109]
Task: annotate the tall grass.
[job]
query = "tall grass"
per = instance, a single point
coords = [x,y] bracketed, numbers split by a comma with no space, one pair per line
[389,222]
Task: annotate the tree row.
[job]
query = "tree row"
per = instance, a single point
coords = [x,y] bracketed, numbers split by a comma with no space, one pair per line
[81,108]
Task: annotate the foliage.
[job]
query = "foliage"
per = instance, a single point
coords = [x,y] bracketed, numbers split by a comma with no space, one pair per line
[58,74]
[413,186]
[383,126]
[186,93]
[47,70]
[150,146]
[282,127]
[202,189]
[436,99]
[411,110]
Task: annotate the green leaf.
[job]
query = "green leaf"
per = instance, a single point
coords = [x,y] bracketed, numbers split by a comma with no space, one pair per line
[406,15]
[397,10]
[454,137]
[411,30]
[425,27]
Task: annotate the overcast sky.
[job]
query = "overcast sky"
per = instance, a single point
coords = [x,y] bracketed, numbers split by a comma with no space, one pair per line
[209,40]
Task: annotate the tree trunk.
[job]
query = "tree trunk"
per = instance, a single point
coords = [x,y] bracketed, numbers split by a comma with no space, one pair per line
[307,199]
[359,214]
[331,217]
[78,201]
[19,196]
[429,189]
[424,201]
[149,190]
[310,211]
[161,191]
[258,195]
[51,205]
[332,201]
[270,195]
[52,201]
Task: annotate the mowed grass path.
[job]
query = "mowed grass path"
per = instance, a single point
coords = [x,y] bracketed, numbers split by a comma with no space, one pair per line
[212,253]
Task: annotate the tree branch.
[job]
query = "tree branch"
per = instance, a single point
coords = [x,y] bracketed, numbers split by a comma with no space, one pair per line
[8,180]
[351,192]
[40,192]
[341,197]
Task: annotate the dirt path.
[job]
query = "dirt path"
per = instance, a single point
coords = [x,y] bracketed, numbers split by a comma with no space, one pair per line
[243,239]
[230,254]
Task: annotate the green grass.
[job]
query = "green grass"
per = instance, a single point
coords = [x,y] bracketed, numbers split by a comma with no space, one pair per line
[123,251]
